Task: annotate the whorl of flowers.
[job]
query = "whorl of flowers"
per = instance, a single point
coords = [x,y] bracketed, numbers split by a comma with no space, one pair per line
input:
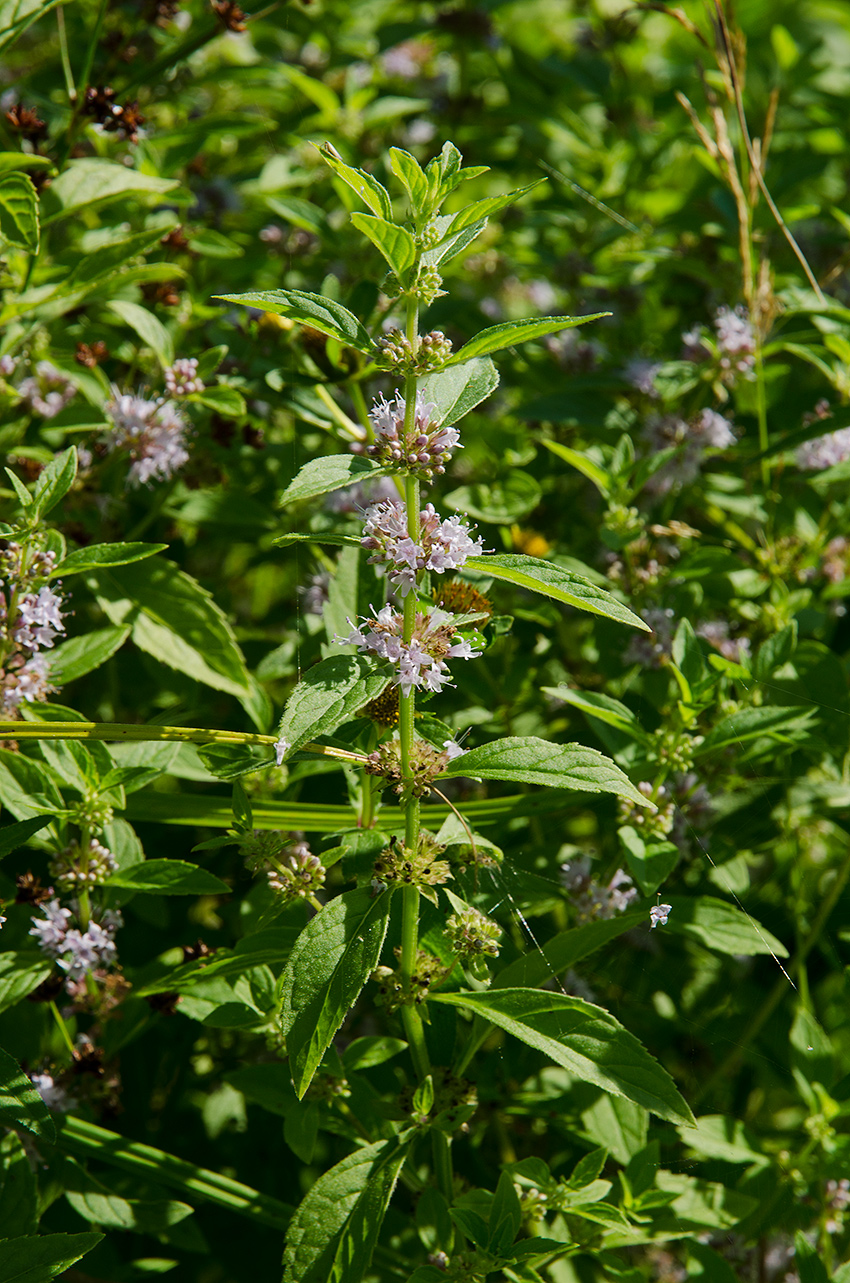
[396,351]
[735,341]
[591,899]
[824,452]
[31,618]
[181,378]
[77,952]
[76,866]
[153,433]
[423,450]
[293,872]
[47,391]
[422,662]
[443,545]
[472,933]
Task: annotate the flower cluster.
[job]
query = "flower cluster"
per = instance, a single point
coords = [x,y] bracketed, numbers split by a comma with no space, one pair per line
[824,452]
[396,351]
[426,763]
[78,953]
[443,545]
[181,378]
[733,345]
[423,450]
[591,899]
[472,933]
[293,872]
[31,619]
[78,866]
[706,431]
[421,662]
[152,432]
[47,391]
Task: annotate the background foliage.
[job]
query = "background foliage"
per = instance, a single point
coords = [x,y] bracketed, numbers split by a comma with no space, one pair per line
[599,451]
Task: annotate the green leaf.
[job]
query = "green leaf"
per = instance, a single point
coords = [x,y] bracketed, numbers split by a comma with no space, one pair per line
[331,961]
[80,655]
[583,464]
[18,210]
[721,927]
[94,1202]
[751,723]
[649,862]
[618,1124]
[55,482]
[176,620]
[20,973]
[301,1129]
[168,877]
[105,554]
[331,693]
[20,1103]
[601,707]
[26,786]
[458,390]
[530,760]
[87,182]
[551,581]
[564,950]
[509,333]
[320,313]
[808,1262]
[18,1190]
[19,160]
[395,243]
[268,1085]
[373,1049]
[14,835]
[502,502]
[331,472]
[411,174]
[776,651]
[332,1235]
[148,327]
[370,191]
[448,247]
[505,1217]
[37,1259]
[225,400]
[585,1040]
[722,1137]
[231,761]
[478,209]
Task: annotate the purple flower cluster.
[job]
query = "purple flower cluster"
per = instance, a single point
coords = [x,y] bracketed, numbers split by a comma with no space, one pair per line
[47,391]
[443,545]
[708,430]
[593,900]
[77,952]
[423,450]
[181,378]
[153,433]
[31,619]
[421,662]
[824,452]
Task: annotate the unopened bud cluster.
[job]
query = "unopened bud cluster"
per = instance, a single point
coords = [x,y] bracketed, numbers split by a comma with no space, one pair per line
[287,861]
[391,994]
[419,868]
[652,824]
[428,285]
[472,933]
[422,449]
[79,866]
[397,352]
[92,812]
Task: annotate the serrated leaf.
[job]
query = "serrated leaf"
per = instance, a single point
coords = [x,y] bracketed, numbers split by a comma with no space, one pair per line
[584,1039]
[20,1103]
[168,877]
[331,961]
[330,694]
[721,927]
[370,191]
[479,209]
[331,472]
[105,554]
[551,581]
[39,1258]
[410,173]
[509,333]
[21,972]
[55,481]
[19,210]
[448,247]
[601,707]
[395,243]
[323,314]
[456,391]
[529,760]
[18,1190]
[333,1233]
[176,620]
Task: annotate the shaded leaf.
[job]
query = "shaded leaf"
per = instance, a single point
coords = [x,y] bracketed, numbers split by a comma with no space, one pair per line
[20,1103]
[168,877]
[80,655]
[721,927]
[36,1259]
[18,210]
[105,554]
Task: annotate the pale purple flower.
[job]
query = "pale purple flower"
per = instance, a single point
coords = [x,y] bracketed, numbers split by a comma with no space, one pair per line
[694,347]
[712,429]
[640,373]
[824,452]
[419,663]
[77,952]
[152,433]
[423,449]
[181,378]
[47,391]
[453,750]
[659,914]
[443,545]
[8,365]
[281,748]
[54,1096]
[716,633]
[51,930]
[30,682]
[591,899]
[39,619]
[735,341]
[271,234]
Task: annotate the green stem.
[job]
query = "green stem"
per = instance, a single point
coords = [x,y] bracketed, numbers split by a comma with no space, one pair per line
[356,393]
[761,411]
[63,1028]
[730,1065]
[63,52]
[441,1146]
